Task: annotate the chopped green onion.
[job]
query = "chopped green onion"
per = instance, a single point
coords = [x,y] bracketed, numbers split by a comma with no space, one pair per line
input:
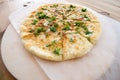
[53,29]
[54,41]
[77,30]
[83,9]
[48,45]
[68,10]
[41,15]
[43,8]
[38,30]
[55,5]
[34,21]
[78,23]
[84,27]
[66,28]
[72,6]
[51,44]
[53,18]
[31,31]
[50,19]
[55,25]
[88,32]
[86,18]
[57,51]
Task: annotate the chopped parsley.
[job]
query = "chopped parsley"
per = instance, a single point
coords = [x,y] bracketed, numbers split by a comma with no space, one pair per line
[41,15]
[68,10]
[43,8]
[50,19]
[67,26]
[38,30]
[55,25]
[78,23]
[88,32]
[34,22]
[48,45]
[53,29]
[86,18]
[53,18]
[51,44]
[83,9]
[55,5]
[72,6]
[31,31]
[77,31]
[84,27]
[57,51]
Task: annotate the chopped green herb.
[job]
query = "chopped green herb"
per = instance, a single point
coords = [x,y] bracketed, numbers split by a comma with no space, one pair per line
[44,8]
[38,30]
[46,34]
[31,31]
[72,6]
[86,18]
[54,41]
[53,29]
[69,9]
[64,7]
[34,21]
[55,25]
[84,27]
[83,9]
[77,31]
[55,5]
[38,13]
[53,18]
[67,26]
[41,15]
[79,23]
[57,51]
[88,32]
[48,45]
[51,44]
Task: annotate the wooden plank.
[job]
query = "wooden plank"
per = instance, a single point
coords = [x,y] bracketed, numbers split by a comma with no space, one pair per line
[110,8]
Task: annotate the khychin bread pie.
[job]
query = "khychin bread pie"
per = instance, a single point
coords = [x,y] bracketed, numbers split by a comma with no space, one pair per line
[60,32]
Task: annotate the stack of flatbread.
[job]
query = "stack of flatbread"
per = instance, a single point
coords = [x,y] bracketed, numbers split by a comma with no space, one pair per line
[60,32]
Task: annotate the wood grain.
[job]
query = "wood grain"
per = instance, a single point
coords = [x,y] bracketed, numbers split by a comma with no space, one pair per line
[110,8]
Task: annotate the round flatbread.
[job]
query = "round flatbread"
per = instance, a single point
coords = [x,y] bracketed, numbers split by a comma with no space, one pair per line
[60,32]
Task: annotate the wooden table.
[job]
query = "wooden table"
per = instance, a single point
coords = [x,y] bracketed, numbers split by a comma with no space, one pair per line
[110,8]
